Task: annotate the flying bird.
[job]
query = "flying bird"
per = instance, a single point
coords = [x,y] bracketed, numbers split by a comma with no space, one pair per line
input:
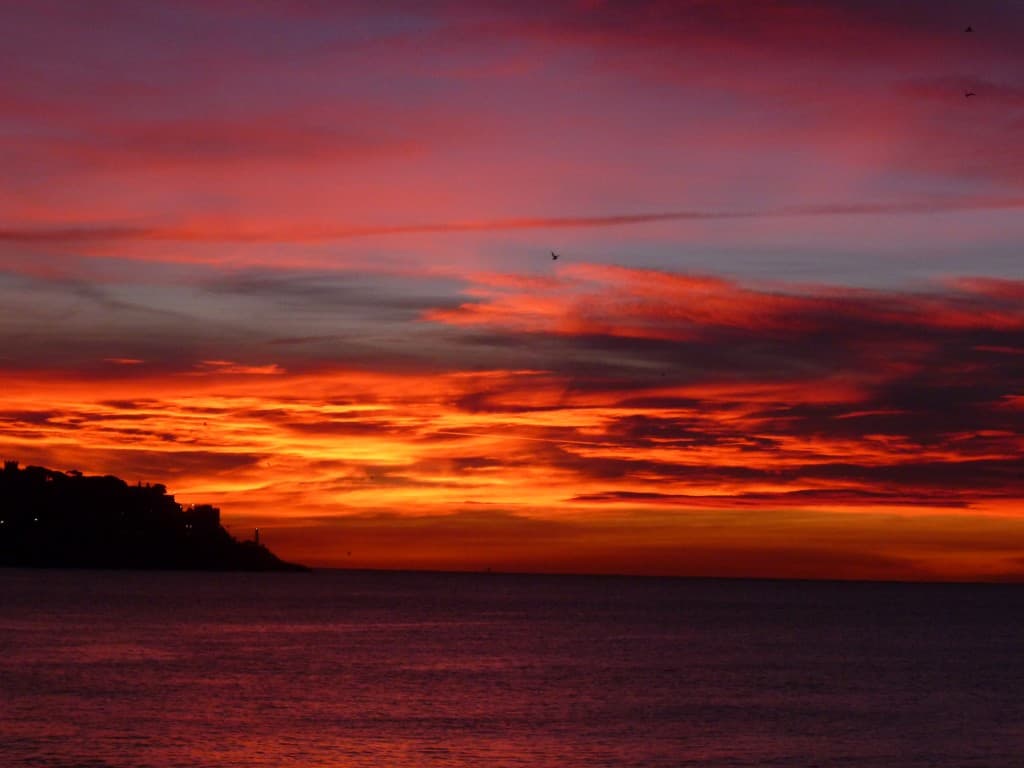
[969,94]
[554,256]
[969,29]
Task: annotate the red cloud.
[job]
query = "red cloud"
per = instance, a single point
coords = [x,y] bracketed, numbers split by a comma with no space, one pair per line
[617,301]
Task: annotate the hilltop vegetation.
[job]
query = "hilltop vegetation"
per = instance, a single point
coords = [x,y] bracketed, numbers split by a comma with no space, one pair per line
[70,520]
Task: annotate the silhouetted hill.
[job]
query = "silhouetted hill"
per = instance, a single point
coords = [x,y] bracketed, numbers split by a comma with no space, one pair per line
[53,519]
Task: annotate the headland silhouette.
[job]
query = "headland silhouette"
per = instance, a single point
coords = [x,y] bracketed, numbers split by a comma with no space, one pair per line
[70,520]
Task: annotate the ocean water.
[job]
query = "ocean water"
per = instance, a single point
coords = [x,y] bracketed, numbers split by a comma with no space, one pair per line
[334,668]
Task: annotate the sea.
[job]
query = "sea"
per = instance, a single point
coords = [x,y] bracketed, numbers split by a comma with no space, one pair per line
[372,669]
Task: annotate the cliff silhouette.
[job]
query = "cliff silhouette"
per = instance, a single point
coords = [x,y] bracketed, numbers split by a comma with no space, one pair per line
[69,520]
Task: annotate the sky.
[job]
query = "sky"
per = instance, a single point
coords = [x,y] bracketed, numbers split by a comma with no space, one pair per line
[293,258]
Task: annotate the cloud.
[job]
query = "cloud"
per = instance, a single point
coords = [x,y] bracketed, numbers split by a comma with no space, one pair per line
[634,394]
[832,397]
[723,128]
[229,367]
[830,498]
[261,321]
[306,234]
[610,379]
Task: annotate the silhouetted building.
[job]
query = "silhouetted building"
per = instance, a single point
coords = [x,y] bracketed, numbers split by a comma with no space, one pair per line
[202,516]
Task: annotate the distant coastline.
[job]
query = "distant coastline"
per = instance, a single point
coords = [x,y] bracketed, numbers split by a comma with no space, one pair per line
[51,519]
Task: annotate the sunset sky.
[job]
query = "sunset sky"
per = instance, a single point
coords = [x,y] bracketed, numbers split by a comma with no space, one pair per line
[293,259]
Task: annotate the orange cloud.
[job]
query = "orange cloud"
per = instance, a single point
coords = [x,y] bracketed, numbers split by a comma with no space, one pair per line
[666,423]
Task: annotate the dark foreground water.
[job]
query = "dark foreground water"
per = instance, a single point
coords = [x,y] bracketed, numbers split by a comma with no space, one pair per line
[103,669]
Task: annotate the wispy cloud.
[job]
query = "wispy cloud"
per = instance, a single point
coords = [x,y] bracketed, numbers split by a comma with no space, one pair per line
[72,234]
[622,387]
[228,367]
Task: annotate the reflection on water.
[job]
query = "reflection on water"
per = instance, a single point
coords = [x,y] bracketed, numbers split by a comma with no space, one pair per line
[376,669]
